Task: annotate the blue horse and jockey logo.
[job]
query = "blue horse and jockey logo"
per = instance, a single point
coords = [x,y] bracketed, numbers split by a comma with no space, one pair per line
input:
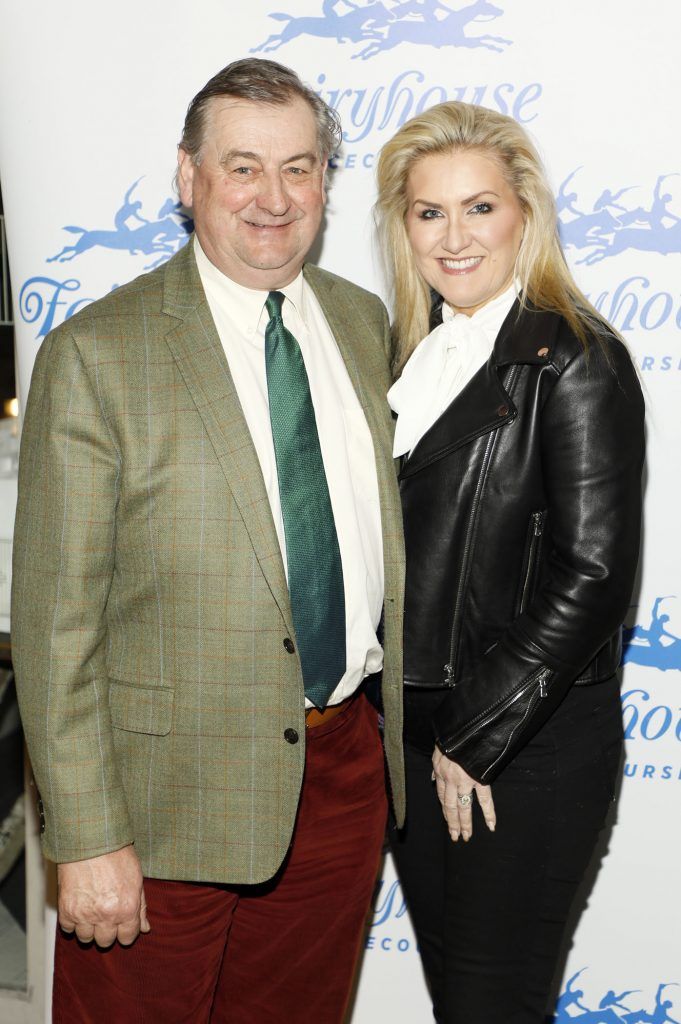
[379,26]
[611,226]
[132,232]
[654,645]
[612,1009]
[46,301]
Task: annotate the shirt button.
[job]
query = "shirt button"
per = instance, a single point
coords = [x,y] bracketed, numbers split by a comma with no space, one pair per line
[289,645]
[291,735]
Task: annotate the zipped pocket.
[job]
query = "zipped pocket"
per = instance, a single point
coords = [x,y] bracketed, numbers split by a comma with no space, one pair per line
[521,702]
[539,693]
[535,533]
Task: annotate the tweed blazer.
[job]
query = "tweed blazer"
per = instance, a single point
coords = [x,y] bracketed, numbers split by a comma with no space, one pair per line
[150,604]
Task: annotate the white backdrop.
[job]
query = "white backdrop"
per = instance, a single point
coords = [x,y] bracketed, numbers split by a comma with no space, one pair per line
[92,101]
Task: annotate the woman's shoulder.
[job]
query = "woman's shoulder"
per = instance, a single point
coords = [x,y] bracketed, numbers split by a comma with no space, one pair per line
[599,347]
[596,369]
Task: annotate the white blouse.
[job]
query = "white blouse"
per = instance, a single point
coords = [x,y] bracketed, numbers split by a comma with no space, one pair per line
[442,364]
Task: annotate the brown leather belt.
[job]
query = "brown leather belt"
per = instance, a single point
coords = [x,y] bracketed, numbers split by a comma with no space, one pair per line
[314,717]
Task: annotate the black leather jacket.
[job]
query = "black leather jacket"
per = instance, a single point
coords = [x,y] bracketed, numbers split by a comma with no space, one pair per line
[522,520]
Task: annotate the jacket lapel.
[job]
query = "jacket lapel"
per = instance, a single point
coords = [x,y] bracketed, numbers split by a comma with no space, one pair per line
[364,359]
[345,321]
[482,406]
[200,357]
[525,337]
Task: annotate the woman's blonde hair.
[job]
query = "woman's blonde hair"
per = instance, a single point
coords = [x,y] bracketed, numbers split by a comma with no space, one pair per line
[545,278]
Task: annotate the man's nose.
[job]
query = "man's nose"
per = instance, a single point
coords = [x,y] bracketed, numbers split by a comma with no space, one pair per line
[272,195]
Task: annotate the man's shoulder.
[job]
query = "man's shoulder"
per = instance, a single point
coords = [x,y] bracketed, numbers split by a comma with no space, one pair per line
[143,295]
[143,298]
[324,280]
[126,320]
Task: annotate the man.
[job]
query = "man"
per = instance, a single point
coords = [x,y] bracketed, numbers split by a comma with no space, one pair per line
[202,563]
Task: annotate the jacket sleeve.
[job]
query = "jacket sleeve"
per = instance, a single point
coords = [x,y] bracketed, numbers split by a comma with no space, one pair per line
[63,565]
[592,449]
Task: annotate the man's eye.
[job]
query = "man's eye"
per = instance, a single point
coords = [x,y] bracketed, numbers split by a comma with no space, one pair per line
[296,171]
[242,171]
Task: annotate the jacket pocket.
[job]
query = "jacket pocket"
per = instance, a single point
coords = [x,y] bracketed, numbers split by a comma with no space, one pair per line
[146,709]
[535,533]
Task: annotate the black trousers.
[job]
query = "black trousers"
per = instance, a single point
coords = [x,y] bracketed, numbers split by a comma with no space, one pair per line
[490,915]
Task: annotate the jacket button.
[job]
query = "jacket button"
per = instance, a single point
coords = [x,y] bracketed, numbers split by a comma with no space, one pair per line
[291,735]
[41,815]
[289,645]
[543,352]
[502,410]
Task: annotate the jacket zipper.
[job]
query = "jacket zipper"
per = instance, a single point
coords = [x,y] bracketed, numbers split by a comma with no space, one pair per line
[450,667]
[538,680]
[539,694]
[537,527]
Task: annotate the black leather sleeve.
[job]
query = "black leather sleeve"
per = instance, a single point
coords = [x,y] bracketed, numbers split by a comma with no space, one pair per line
[592,449]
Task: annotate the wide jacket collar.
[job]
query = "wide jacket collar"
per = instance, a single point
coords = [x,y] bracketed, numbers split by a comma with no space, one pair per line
[197,350]
[527,336]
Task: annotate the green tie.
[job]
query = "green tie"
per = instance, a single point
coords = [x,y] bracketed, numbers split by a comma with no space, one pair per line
[315,573]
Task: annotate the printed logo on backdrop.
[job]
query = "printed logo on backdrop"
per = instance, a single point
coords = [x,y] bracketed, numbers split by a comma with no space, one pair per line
[390,929]
[630,1006]
[650,723]
[611,227]
[46,301]
[629,219]
[364,29]
[654,644]
[360,29]
[374,27]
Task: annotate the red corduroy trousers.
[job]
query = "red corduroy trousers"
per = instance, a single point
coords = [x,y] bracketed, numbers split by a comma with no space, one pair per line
[279,953]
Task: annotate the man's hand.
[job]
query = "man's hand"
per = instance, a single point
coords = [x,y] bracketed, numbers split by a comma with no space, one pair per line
[103,898]
[455,789]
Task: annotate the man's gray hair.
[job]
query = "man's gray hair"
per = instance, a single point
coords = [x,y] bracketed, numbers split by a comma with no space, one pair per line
[261,81]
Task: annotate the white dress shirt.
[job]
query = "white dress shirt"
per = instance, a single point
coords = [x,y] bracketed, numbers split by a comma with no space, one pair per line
[441,365]
[344,438]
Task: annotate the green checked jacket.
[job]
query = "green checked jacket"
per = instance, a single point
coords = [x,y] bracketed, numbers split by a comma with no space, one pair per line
[149,597]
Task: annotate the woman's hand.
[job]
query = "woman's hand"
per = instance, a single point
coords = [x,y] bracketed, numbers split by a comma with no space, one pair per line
[455,790]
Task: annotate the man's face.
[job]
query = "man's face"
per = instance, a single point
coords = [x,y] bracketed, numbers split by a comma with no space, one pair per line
[257,193]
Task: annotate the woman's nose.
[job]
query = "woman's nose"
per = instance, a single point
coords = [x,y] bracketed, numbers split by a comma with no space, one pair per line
[457,237]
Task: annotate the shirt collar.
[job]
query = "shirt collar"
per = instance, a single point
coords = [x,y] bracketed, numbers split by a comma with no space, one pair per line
[490,317]
[246,305]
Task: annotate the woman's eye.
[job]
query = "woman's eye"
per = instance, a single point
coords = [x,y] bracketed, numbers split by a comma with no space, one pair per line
[429,214]
[482,208]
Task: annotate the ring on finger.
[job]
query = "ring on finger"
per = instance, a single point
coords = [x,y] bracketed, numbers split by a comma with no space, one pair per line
[465,799]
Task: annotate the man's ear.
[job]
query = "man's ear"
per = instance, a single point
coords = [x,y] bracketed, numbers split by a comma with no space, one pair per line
[325,167]
[185,177]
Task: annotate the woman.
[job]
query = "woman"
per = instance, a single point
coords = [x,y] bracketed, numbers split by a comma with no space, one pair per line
[520,428]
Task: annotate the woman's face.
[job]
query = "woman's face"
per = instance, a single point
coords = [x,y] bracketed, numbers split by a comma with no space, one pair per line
[465,225]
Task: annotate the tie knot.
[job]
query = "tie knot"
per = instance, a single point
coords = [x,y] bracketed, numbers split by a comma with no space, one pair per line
[273,304]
